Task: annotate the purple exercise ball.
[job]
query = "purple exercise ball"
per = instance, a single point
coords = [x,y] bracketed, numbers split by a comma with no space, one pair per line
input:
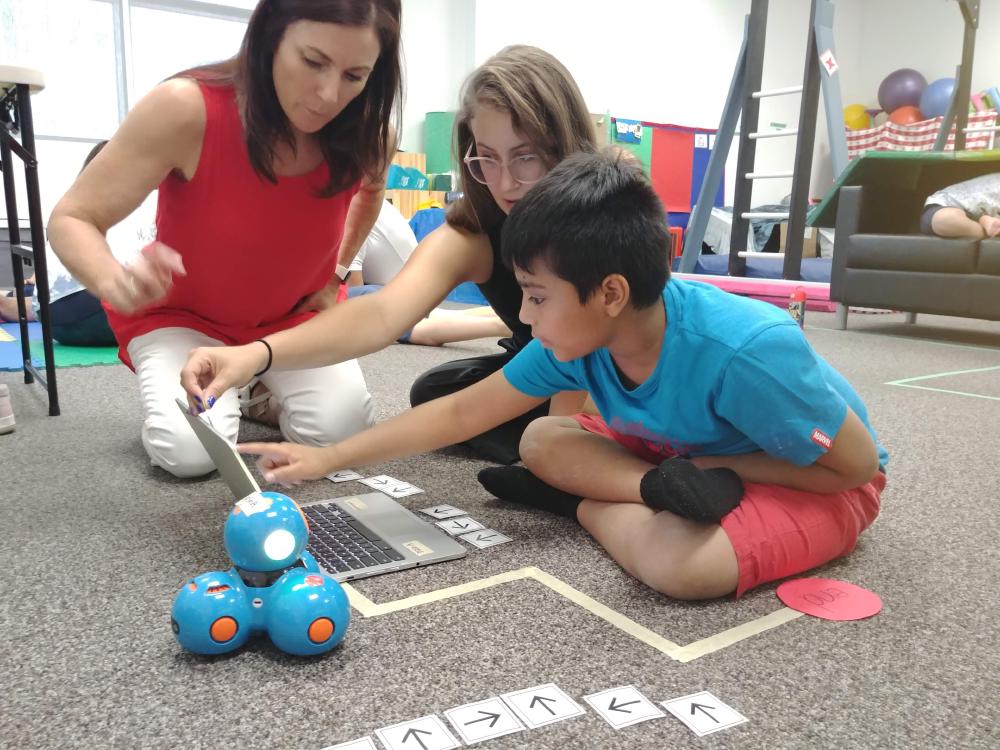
[901,88]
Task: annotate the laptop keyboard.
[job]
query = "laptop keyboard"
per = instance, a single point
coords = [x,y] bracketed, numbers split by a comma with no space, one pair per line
[341,543]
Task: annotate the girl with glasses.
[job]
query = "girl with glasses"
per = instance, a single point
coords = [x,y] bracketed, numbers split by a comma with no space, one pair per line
[520,114]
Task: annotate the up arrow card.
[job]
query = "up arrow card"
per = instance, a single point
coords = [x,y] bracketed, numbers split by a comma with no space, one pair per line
[545,704]
[483,720]
[704,713]
[426,733]
[623,706]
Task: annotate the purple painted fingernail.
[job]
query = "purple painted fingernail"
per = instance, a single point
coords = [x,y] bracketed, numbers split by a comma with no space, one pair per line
[211,401]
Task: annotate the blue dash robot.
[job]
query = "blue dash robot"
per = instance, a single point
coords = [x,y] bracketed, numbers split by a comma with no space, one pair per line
[275,587]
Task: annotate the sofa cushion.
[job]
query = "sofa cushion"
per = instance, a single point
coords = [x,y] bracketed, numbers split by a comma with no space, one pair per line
[911,252]
[938,294]
[989,257]
[985,301]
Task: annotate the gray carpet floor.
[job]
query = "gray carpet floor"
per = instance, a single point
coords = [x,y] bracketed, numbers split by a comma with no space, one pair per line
[95,543]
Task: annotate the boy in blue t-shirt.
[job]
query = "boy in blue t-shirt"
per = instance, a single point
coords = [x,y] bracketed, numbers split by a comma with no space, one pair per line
[727,453]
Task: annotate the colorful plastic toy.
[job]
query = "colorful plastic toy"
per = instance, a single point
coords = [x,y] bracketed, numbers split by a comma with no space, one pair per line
[275,587]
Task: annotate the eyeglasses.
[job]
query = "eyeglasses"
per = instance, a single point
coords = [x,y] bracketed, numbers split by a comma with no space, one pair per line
[526,168]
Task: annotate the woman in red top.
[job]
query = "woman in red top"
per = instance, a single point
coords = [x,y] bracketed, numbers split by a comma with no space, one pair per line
[270,169]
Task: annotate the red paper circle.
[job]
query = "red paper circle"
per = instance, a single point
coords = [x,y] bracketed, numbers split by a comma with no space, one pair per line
[829,599]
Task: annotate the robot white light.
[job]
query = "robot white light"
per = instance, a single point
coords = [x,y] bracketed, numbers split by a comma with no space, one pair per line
[279,544]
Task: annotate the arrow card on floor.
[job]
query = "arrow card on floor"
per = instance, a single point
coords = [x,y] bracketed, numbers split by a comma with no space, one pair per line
[344,475]
[365,743]
[426,733]
[485,538]
[483,720]
[623,706]
[391,487]
[455,526]
[443,511]
[545,704]
[704,713]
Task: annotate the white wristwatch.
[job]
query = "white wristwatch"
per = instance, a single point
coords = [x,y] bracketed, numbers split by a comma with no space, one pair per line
[343,272]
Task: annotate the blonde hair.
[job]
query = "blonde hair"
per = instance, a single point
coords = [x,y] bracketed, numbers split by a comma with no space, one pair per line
[544,104]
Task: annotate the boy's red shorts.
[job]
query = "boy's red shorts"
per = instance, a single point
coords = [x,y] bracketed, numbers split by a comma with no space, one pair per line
[776,531]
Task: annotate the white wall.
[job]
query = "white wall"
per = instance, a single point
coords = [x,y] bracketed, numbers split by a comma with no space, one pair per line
[672,61]
[926,36]
[437,55]
[659,60]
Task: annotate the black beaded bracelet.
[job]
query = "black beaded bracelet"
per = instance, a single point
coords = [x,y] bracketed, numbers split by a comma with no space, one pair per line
[270,356]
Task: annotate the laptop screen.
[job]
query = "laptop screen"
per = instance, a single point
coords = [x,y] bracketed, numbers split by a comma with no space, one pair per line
[227,460]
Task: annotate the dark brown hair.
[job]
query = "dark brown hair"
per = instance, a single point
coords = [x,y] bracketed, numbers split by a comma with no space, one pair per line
[356,142]
[544,104]
[592,216]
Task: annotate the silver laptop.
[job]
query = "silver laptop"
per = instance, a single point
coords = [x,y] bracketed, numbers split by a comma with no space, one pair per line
[351,537]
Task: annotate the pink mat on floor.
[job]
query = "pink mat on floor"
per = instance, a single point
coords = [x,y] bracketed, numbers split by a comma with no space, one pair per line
[775,291]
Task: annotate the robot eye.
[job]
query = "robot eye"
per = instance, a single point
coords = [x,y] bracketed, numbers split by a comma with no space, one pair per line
[279,544]
[221,588]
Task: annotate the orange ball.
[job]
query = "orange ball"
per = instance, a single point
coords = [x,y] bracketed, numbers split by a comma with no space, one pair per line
[906,115]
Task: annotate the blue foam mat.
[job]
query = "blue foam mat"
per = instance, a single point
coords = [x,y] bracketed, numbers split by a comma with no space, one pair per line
[10,351]
[63,355]
[813,269]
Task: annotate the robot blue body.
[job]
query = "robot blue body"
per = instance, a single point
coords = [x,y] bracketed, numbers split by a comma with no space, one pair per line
[275,587]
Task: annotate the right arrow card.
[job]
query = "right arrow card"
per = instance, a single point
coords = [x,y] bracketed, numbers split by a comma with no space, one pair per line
[483,720]
[704,713]
[623,706]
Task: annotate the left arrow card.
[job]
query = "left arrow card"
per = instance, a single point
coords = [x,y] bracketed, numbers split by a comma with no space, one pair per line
[425,733]
[443,511]
[483,720]
[623,706]
[344,475]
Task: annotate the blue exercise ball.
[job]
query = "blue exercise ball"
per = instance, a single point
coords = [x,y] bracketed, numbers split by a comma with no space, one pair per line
[901,88]
[936,97]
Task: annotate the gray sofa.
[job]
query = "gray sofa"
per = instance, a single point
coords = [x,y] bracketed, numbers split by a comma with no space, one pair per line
[880,258]
[909,272]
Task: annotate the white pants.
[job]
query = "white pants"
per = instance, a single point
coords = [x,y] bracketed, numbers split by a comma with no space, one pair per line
[318,406]
[387,247]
